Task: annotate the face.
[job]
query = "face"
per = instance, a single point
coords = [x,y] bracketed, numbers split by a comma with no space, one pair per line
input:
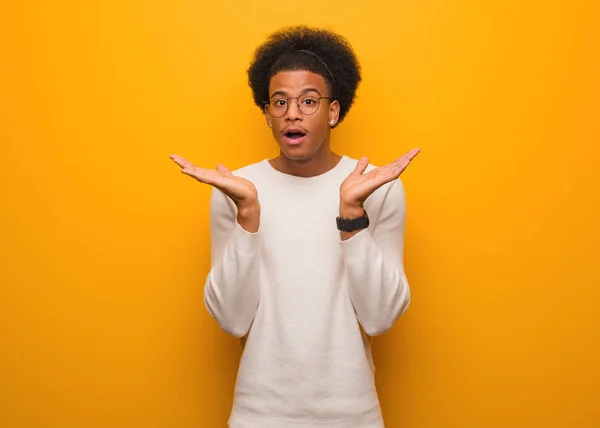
[302,136]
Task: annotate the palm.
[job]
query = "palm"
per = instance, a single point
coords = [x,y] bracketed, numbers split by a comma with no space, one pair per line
[237,188]
[357,187]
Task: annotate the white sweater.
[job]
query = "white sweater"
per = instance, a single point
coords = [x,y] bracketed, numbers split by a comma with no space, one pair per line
[299,292]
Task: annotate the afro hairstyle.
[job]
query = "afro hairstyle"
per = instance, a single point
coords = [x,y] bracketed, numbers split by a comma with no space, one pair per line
[309,49]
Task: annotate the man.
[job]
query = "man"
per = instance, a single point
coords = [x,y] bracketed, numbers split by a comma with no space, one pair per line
[306,248]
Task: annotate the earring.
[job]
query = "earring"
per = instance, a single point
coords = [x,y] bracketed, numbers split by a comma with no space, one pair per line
[270,125]
[331,122]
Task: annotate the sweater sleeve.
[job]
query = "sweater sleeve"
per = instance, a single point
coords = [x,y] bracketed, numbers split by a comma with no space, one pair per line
[377,283]
[232,289]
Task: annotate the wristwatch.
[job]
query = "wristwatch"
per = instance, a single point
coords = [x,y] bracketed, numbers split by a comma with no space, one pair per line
[352,224]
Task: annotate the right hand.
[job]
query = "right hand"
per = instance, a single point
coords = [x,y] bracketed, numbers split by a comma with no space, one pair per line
[240,190]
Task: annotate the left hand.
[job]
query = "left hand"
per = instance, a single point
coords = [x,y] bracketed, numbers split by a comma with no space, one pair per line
[357,187]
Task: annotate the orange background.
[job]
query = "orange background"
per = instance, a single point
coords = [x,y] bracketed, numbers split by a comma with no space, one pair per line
[105,245]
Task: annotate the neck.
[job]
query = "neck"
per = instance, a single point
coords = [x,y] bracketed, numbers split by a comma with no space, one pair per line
[306,167]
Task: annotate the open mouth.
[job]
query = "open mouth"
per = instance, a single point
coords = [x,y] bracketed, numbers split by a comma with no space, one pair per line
[295,135]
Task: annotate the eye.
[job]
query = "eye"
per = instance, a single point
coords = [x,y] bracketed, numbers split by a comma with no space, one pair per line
[280,103]
[309,101]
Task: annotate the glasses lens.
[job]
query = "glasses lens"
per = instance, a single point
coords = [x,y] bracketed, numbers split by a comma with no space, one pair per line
[308,103]
[278,107]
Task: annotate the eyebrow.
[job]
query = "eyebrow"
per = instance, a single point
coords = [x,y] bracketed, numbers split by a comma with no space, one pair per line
[305,90]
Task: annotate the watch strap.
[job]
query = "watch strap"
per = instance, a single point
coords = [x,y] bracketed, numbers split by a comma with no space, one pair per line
[352,224]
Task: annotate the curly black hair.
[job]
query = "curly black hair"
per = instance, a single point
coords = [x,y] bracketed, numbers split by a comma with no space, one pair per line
[304,48]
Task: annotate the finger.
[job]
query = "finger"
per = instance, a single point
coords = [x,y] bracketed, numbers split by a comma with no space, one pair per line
[203,175]
[408,155]
[412,153]
[386,173]
[400,164]
[393,170]
[182,162]
[361,166]
[176,158]
[405,160]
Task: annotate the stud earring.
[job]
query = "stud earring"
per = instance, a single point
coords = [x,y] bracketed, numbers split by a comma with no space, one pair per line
[270,125]
[331,122]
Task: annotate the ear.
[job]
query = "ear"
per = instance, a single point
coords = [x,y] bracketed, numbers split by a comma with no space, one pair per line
[334,113]
[267,116]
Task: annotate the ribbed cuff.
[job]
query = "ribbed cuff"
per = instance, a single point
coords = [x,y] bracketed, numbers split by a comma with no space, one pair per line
[245,242]
[358,246]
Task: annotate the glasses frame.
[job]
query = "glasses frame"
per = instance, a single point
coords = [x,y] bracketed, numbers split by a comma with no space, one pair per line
[297,104]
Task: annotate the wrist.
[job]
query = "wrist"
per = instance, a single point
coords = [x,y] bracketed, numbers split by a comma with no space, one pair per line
[352,220]
[351,210]
[249,217]
[248,209]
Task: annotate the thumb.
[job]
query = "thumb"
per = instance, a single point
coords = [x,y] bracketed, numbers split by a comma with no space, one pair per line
[223,169]
[362,164]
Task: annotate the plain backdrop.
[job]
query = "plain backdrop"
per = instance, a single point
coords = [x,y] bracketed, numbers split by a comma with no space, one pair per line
[104,244]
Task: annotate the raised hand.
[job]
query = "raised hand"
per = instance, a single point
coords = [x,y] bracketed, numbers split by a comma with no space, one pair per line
[240,190]
[357,187]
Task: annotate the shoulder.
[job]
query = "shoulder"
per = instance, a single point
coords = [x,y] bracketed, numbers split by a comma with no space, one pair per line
[351,164]
[253,170]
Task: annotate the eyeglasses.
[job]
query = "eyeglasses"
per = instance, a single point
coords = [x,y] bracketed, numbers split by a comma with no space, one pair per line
[307,104]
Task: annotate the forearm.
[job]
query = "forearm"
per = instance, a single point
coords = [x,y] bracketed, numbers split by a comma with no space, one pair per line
[377,284]
[378,289]
[232,289]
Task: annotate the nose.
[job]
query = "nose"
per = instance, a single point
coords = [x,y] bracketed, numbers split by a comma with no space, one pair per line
[293,113]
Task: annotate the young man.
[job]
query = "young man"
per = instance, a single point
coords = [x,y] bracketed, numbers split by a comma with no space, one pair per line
[306,248]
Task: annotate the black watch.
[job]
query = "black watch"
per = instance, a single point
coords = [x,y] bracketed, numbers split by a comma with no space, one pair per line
[352,224]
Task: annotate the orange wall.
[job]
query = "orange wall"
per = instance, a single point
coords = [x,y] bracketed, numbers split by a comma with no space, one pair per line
[104,245]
